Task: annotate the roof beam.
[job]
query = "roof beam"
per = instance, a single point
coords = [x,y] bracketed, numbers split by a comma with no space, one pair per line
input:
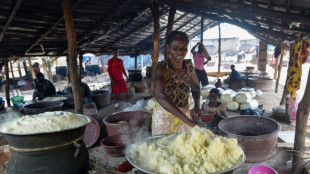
[244,8]
[8,23]
[288,5]
[86,35]
[51,29]
[269,2]
[178,19]
[137,30]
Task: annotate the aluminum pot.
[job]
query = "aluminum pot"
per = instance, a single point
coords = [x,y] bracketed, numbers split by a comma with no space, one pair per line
[152,139]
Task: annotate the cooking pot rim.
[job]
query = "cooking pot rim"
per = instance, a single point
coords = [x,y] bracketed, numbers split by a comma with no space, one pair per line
[259,136]
[60,103]
[56,131]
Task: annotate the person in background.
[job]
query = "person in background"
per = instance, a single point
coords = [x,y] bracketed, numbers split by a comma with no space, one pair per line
[36,67]
[116,71]
[217,107]
[199,61]
[218,84]
[174,79]
[84,90]
[43,87]
[234,76]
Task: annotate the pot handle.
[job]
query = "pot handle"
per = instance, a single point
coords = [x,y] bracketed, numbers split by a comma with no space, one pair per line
[77,150]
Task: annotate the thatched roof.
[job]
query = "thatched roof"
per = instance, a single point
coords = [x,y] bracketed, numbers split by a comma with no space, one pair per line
[36,27]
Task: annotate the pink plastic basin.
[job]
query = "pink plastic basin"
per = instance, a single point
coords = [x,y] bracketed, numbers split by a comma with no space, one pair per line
[262,169]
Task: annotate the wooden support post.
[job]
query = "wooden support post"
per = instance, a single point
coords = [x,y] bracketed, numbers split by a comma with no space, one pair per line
[33,74]
[276,69]
[280,67]
[201,29]
[300,130]
[45,68]
[25,68]
[19,70]
[136,59]
[71,38]
[284,94]
[155,13]
[7,82]
[172,12]
[219,64]
[80,65]
[68,71]
[262,56]
[12,71]
[49,71]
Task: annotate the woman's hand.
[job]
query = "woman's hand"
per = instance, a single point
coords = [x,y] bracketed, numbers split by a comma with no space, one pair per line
[198,111]
[218,113]
[194,123]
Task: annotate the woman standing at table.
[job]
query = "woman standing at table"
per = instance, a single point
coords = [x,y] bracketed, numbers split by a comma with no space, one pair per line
[174,78]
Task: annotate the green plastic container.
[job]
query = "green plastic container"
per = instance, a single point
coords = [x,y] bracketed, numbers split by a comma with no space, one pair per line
[17,100]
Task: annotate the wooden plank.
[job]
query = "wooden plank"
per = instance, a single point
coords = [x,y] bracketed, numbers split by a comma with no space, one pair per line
[51,29]
[279,67]
[80,64]
[71,39]
[219,52]
[156,40]
[7,82]
[172,12]
[301,127]
[11,66]
[8,23]
[201,29]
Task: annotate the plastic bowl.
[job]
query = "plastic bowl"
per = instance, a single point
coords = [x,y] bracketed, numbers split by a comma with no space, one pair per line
[262,169]
[207,116]
[115,145]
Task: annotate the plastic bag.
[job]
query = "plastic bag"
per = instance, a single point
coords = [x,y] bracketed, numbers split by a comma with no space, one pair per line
[257,112]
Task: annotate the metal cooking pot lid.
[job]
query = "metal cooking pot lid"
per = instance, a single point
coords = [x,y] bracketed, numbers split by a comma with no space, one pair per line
[91,133]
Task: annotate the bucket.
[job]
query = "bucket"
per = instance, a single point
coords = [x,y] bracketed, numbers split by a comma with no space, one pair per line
[17,100]
[261,168]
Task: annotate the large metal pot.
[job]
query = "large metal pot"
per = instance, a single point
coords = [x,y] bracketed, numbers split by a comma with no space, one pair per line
[152,139]
[257,136]
[261,83]
[59,152]
[135,75]
[101,98]
[41,107]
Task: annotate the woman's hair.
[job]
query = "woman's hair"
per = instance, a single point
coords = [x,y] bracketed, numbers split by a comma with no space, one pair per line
[176,34]
[40,75]
[215,91]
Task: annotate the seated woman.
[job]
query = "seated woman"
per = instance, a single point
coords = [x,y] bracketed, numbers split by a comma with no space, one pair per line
[217,107]
[43,87]
[85,91]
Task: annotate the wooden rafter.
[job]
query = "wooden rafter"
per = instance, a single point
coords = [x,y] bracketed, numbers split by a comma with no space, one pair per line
[88,33]
[17,5]
[51,29]
[138,29]
[288,5]
[246,9]
[269,2]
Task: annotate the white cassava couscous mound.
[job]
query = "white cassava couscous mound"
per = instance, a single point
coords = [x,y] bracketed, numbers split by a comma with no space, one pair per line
[196,151]
[45,122]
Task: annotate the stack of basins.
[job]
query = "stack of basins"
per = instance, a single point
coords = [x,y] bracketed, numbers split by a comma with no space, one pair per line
[122,128]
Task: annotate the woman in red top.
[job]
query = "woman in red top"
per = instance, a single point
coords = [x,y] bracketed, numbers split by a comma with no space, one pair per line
[116,71]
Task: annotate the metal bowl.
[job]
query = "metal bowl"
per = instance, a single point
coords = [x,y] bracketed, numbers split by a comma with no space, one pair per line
[152,139]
